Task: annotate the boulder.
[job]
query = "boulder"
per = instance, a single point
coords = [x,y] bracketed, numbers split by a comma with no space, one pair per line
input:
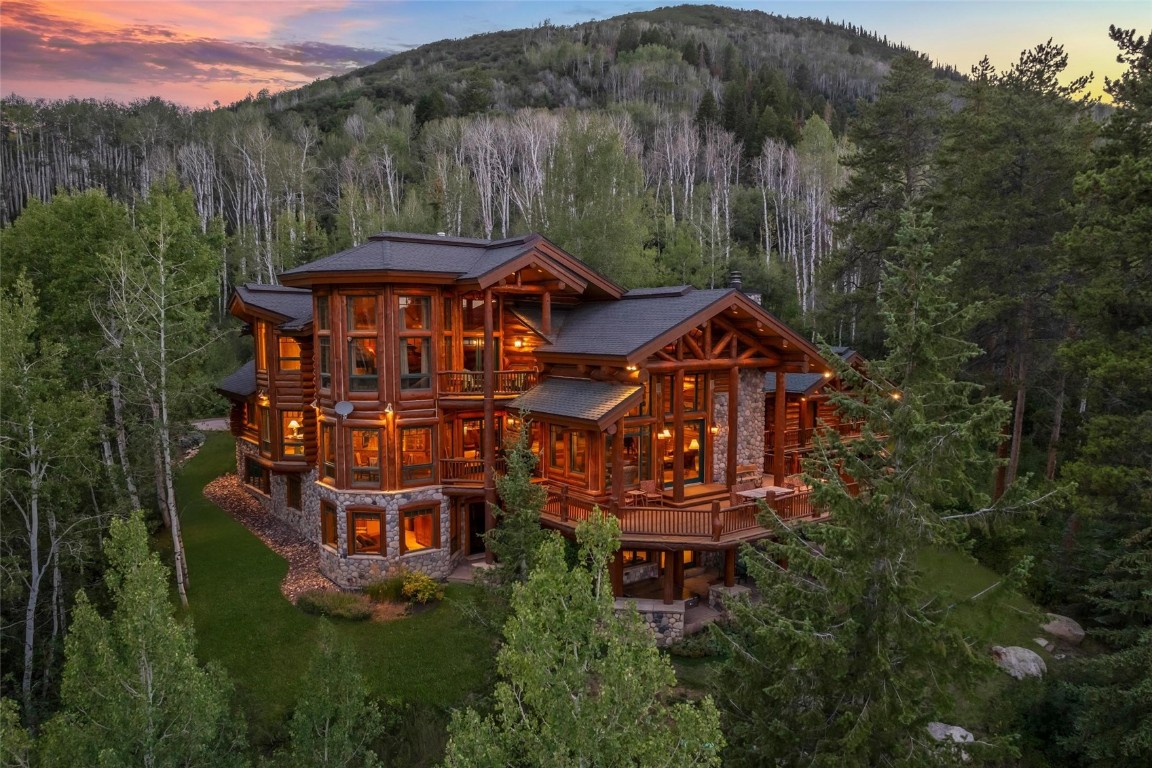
[1019,662]
[942,731]
[1064,629]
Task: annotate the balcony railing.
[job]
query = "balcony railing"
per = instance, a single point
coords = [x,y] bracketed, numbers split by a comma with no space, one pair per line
[803,438]
[466,471]
[715,524]
[471,383]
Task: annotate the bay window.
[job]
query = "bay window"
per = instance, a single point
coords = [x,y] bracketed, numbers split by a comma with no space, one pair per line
[365,458]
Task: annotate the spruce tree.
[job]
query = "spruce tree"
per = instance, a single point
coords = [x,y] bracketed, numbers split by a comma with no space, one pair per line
[848,657]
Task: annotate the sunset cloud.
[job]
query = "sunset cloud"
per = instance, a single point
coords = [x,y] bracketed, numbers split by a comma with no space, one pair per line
[191,53]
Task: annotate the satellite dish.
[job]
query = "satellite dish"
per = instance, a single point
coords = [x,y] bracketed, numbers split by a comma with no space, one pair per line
[343,408]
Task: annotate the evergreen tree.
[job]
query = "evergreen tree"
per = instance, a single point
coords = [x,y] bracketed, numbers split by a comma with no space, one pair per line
[518,535]
[894,140]
[581,686]
[1107,569]
[133,691]
[335,722]
[847,657]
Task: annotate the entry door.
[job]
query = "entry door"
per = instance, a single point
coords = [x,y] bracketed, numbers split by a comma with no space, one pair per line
[475,527]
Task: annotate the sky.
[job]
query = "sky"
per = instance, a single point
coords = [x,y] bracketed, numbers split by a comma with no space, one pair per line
[200,52]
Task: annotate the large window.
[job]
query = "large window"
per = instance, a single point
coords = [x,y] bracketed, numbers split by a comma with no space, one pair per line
[420,529]
[365,458]
[569,453]
[256,475]
[327,452]
[292,434]
[325,362]
[328,524]
[264,416]
[365,532]
[362,368]
[289,354]
[260,342]
[323,319]
[292,495]
[416,455]
[415,342]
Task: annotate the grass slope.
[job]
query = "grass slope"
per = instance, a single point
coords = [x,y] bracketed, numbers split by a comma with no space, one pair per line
[243,622]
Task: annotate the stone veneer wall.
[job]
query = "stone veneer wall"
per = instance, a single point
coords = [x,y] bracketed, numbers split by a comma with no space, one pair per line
[666,622]
[749,424]
[354,571]
[635,573]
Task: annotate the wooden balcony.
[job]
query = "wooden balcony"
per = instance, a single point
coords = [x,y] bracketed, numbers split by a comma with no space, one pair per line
[470,384]
[712,526]
[466,472]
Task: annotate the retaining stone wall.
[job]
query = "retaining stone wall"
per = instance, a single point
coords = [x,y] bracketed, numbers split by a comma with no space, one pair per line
[665,622]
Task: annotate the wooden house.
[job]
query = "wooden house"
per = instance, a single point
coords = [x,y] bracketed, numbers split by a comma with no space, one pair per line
[387,379]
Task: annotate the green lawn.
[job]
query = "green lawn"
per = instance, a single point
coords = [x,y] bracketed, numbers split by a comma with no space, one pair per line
[437,658]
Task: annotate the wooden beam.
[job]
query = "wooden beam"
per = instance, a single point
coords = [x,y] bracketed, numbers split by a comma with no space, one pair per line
[489,446]
[616,569]
[778,424]
[546,314]
[618,466]
[710,365]
[678,438]
[694,348]
[670,577]
[729,567]
[733,424]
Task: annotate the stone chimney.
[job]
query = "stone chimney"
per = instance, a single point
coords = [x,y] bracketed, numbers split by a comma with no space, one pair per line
[735,280]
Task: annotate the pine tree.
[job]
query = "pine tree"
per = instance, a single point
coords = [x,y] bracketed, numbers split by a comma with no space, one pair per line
[518,534]
[1110,298]
[581,686]
[335,722]
[894,140]
[133,691]
[847,657]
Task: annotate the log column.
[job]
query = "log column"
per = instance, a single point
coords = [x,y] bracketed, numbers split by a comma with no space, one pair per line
[616,571]
[617,432]
[729,567]
[669,578]
[489,446]
[779,422]
[733,423]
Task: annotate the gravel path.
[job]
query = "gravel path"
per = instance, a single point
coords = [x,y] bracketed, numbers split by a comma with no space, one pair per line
[228,493]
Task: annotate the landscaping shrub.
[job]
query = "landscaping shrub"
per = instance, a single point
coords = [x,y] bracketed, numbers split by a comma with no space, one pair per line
[420,587]
[389,590]
[337,605]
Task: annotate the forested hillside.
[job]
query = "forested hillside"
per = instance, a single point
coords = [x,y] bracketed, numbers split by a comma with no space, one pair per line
[670,146]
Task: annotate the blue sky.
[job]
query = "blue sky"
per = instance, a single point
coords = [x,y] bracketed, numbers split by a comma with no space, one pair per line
[199,51]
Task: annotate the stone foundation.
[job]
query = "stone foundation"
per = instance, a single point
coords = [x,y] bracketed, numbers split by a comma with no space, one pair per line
[665,622]
[354,571]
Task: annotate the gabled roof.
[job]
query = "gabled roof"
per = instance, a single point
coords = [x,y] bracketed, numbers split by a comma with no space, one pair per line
[600,402]
[240,383]
[644,320]
[620,328]
[482,262]
[291,306]
[532,316]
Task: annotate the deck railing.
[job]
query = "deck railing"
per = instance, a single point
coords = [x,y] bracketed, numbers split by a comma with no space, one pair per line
[718,522]
[466,471]
[471,383]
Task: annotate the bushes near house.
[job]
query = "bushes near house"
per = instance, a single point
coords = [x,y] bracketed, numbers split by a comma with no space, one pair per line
[405,586]
[336,605]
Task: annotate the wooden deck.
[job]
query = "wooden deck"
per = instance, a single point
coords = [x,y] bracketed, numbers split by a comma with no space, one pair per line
[714,525]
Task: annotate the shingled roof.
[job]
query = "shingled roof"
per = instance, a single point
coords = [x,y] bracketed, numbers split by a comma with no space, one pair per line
[578,399]
[294,305]
[625,326]
[794,383]
[240,383]
[434,254]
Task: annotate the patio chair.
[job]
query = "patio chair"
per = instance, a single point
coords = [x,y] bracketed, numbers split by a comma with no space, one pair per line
[653,496]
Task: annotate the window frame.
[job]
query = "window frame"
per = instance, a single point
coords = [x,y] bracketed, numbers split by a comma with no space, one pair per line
[412,512]
[354,467]
[298,441]
[264,429]
[418,381]
[294,362]
[428,471]
[264,485]
[327,444]
[329,525]
[361,337]
[293,492]
[381,516]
